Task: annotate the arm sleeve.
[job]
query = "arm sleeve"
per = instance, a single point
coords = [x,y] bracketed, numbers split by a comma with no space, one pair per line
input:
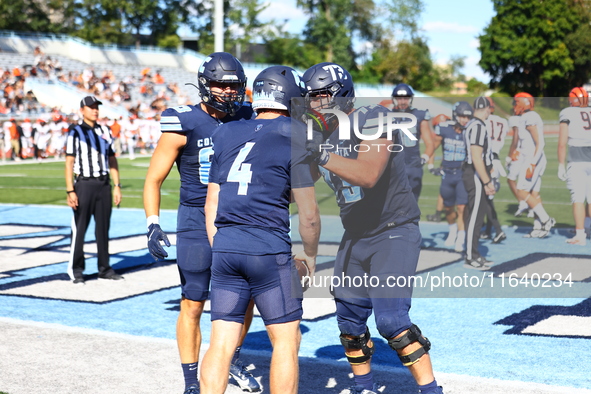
[563,118]
[70,142]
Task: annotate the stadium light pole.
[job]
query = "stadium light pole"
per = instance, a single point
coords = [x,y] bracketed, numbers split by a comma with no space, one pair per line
[218,29]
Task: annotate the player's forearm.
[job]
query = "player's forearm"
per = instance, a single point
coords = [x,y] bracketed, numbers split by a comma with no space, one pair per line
[427,137]
[211,208]
[152,198]
[366,170]
[533,130]
[309,219]
[437,144]
[114,170]
[562,141]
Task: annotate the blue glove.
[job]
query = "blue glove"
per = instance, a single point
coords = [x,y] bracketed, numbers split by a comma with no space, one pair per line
[436,171]
[155,235]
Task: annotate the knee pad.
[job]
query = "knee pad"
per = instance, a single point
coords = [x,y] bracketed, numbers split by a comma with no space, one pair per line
[411,336]
[358,343]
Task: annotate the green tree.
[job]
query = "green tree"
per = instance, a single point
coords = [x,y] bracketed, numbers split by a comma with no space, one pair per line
[404,15]
[406,61]
[541,47]
[54,16]
[102,22]
[333,23]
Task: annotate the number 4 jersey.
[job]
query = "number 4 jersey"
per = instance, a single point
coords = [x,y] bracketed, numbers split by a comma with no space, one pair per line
[194,161]
[256,167]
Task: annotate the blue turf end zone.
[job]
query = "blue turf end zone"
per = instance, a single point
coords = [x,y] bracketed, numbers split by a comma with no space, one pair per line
[542,340]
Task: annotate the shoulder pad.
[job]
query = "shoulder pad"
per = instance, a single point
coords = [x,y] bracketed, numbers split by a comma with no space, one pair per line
[177,119]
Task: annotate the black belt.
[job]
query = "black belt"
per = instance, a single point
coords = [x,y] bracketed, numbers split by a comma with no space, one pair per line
[98,178]
[451,170]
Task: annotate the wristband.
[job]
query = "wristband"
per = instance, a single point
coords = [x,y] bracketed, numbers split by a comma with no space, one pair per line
[487,183]
[117,185]
[70,191]
[152,219]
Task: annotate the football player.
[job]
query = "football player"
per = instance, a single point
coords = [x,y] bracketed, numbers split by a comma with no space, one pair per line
[575,123]
[253,172]
[497,131]
[187,140]
[534,164]
[514,159]
[402,97]
[380,215]
[450,135]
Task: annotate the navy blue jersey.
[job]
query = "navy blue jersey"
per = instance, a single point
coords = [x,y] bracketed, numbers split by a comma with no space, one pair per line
[252,164]
[452,143]
[412,149]
[194,161]
[367,211]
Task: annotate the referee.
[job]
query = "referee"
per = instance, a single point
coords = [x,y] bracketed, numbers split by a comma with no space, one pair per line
[89,160]
[477,181]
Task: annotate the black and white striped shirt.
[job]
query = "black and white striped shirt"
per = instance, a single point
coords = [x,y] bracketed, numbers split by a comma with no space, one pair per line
[91,148]
[477,134]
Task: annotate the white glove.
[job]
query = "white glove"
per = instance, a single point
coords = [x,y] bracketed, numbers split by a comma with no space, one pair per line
[424,158]
[562,172]
[498,169]
[508,162]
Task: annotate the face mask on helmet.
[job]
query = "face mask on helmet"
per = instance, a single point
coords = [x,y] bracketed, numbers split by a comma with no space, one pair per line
[402,97]
[578,97]
[222,82]
[329,86]
[462,109]
[522,102]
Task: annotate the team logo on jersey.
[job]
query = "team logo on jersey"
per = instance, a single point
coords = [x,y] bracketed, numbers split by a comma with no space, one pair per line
[259,126]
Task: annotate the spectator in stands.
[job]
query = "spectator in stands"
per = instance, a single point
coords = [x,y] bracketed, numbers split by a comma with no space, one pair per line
[116,134]
[3,143]
[158,79]
[15,139]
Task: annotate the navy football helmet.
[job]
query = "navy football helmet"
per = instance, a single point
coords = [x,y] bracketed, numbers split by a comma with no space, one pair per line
[274,88]
[402,90]
[331,80]
[462,108]
[221,67]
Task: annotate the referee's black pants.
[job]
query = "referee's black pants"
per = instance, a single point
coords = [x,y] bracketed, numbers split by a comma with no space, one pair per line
[475,211]
[94,199]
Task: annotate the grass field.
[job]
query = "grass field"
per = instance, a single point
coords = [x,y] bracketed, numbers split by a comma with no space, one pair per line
[43,183]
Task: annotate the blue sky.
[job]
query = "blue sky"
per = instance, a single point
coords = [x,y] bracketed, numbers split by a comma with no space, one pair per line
[451,27]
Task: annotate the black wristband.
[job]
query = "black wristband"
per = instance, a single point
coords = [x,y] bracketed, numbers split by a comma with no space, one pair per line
[70,191]
[488,183]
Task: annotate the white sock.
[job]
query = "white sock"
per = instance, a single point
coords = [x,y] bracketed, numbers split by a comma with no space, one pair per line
[580,233]
[522,205]
[461,237]
[451,236]
[537,224]
[541,212]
